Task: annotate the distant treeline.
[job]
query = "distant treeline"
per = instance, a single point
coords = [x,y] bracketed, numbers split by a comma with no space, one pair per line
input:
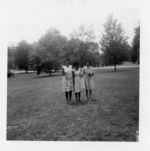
[48,54]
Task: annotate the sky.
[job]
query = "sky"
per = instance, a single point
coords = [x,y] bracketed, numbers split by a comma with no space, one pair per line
[30,19]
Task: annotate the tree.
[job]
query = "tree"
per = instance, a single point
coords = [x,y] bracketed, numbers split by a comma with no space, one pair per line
[21,57]
[35,57]
[136,46]
[49,51]
[71,50]
[84,34]
[83,46]
[114,43]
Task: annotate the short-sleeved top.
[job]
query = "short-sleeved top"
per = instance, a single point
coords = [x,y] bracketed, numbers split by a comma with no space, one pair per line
[88,70]
[68,71]
[88,80]
[67,84]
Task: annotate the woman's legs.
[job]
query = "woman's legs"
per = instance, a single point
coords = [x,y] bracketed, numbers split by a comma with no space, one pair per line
[90,93]
[70,95]
[79,95]
[76,95]
[67,96]
[87,95]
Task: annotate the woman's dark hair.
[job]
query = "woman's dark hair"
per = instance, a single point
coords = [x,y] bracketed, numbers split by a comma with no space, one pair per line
[75,64]
[66,60]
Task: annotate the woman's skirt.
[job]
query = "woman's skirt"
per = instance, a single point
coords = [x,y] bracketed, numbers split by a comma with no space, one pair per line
[79,84]
[67,84]
[89,84]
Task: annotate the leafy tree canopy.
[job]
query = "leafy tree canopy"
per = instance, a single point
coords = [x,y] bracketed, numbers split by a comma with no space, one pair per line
[114,42]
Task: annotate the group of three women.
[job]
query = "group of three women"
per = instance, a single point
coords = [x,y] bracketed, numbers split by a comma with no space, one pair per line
[77,79]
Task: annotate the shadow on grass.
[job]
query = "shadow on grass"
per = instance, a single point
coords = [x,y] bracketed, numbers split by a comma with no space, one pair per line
[74,103]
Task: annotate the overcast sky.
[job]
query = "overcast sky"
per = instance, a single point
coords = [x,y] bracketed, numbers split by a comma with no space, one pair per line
[30,19]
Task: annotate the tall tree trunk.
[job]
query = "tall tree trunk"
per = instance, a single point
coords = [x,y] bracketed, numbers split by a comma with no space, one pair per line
[115,69]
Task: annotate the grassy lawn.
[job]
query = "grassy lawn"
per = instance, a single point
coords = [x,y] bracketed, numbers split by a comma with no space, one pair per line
[37,109]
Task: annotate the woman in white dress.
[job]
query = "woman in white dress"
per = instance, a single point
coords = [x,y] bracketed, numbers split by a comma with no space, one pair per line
[88,80]
[82,78]
[67,80]
[78,85]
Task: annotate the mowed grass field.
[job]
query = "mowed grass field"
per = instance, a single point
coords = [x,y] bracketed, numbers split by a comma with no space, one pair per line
[37,110]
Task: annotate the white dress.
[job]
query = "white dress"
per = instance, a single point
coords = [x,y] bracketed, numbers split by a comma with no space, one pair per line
[88,79]
[78,81]
[67,80]
[82,79]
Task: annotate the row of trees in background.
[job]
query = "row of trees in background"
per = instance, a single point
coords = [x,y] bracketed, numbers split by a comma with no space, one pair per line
[47,55]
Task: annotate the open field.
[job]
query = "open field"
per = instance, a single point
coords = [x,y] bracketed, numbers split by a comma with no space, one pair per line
[36,108]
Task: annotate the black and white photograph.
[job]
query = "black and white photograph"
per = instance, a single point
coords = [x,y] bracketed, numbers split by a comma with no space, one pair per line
[73,72]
